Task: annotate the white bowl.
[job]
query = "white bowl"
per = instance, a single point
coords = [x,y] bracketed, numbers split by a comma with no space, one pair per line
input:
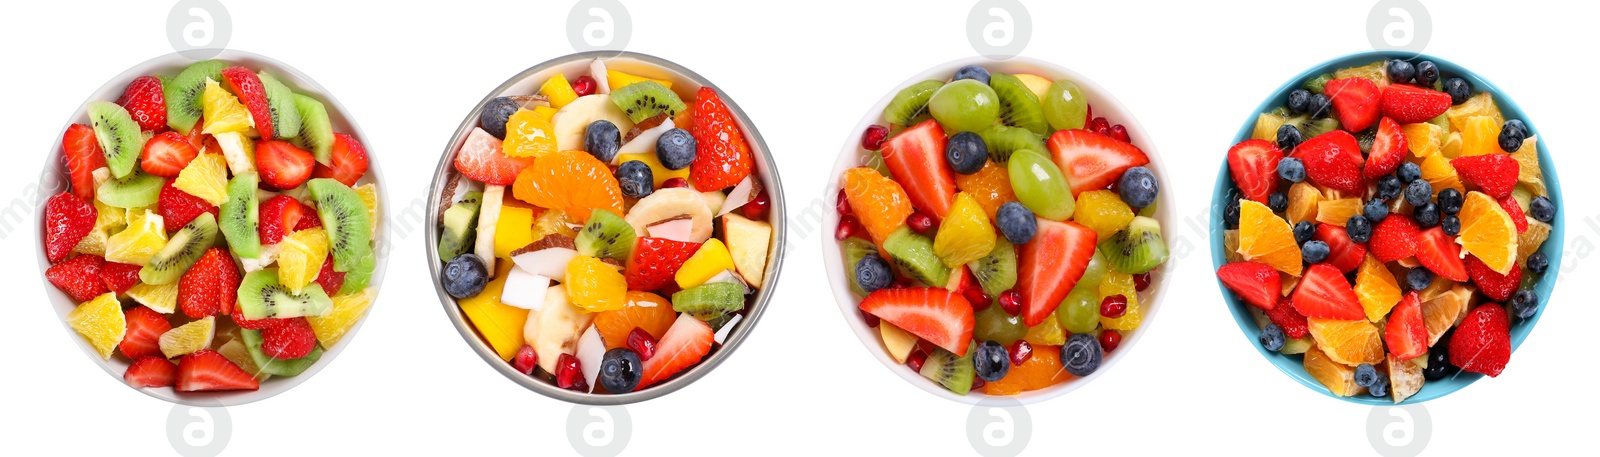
[52,180]
[851,156]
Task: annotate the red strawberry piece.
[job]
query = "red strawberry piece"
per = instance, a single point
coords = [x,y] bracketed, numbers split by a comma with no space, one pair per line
[143,337]
[1091,161]
[1514,210]
[1323,293]
[177,207]
[722,156]
[166,154]
[1482,343]
[82,153]
[655,261]
[1388,149]
[348,161]
[1256,283]
[915,157]
[1395,238]
[1294,324]
[684,345]
[67,219]
[1409,104]
[1496,286]
[1254,165]
[145,103]
[247,86]
[937,315]
[330,280]
[1496,174]
[1050,265]
[151,371]
[1406,333]
[256,324]
[1355,102]
[1333,160]
[279,216]
[1441,255]
[283,166]
[210,287]
[119,277]
[290,339]
[482,159]
[1343,253]
[200,140]
[79,277]
[308,219]
[208,370]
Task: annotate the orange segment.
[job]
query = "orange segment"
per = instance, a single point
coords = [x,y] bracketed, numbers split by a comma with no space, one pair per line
[1424,139]
[571,181]
[1303,200]
[990,185]
[1480,135]
[1265,238]
[1376,288]
[644,310]
[877,201]
[1439,314]
[1337,212]
[1438,172]
[1122,284]
[1348,342]
[1038,372]
[1488,233]
[1529,242]
[1339,379]
[1479,105]
[1528,172]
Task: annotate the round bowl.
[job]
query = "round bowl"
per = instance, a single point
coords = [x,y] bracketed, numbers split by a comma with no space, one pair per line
[52,180]
[528,82]
[852,155]
[1291,365]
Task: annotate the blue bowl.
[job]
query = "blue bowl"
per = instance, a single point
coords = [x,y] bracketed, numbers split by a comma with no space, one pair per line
[1291,365]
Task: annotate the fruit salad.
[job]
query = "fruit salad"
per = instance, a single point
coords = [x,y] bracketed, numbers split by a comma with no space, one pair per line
[216,231]
[607,232]
[1386,224]
[998,236]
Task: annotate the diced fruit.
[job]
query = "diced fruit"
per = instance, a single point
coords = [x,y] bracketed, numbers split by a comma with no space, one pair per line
[81,152]
[500,324]
[914,254]
[162,298]
[556,330]
[177,208]
[1424,139]
[1041,370]
[529,134]
[936,315]
[1337,377]
[347,309]
[1389,148]
[1355,102]
[1405,333]
[151,371]
[1324,294]
[878,202]
[558,90]
[1438,172]
[100,321]
[722,156]
[145,102]
[953,371]
[1304,199]
[67,220]
[1333,160]
[684,345]
[596,286]
[300,258]
[1121,284]
[145,236]
[1343,252]
[644,310]
[991,186]
[1294,324]
[748,241]
[1395,238]
[573,182]
[514,230]
[205,177]
[79,277]
[1092,161]
[1349,342]
[1136,249]
[1254,167]
[1051,265]
[1494,174]
[210,286]
[1409,104]
[167,154]
[1488,233]
[915,157]
[897,342]
[1103,211]
[1482,343]
[348,161]
[1266,238]
[707,261]
[1256,283]
[207,370]
[1480,135]
[656,261]
[1377,289]
[965,235]
[481,159]
[188,338]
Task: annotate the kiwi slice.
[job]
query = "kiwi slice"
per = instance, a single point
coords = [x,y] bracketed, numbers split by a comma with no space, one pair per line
[261,297]
[914,254]
[1019,107]
[316,131]
[606,235]
[1003,140]
[1315,84]
[280,100]
[183,249]
[344,216]
[709,301]
[137,190]
[360,276]
[910,102]
[119,136]
[273,366]
[1267,124]
[1136,249]
[1365,138]
[855,249]
[646,99]
[238,218]
[949,370]
[460,223]
[183,93]
[996,272]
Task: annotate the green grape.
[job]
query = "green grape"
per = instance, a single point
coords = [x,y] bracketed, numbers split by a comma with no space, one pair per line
[1095,273]
[993,324]
[1040,186]
[965,106]
[1080,311]
[1064,106]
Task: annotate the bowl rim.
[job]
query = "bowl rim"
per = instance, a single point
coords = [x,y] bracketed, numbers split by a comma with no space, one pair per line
[1106,105]
[302,83]
[1291,365]
[755,310]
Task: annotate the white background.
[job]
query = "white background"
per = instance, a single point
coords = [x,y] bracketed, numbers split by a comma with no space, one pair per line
[805,72]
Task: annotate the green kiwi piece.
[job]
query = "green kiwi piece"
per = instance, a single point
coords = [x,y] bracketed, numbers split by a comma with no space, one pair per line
[1308,127]
[646,99]
[183,249]
[316,131]
[1315,84]
[914,254]
[238,218]
[280,100]
[359,277]
[606,235]
[910,102]
[183,93]
[1003,140]
[1136,249]
[996,272]
[344,216]
[119,136]
[1365,138]
[708,302]
[273,366]
[1019,107]
[136,190]
[460,222]
[855,249]
[1301,345]
[1442,121]
[261,297]
[949,370]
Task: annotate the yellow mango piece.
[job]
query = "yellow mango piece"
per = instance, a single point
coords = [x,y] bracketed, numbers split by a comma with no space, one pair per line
[712,258]
[513,231]
[558,90]
[499,323]
[618,80]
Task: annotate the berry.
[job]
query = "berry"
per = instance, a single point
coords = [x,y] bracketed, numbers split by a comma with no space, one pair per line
[1324,293]
[584,85]
[636,179]
[1401,72]
[1426,215]
[1419,192]
[1366,375]
[210,287]
[1138,188]
[1538,263]
[1380,388]
[177,207]
[1496,174]
[1314,251]
[1020,352]
[1358,228]
[1541,209]
[966,153]
[1303,231]
[992,361]
[1427,73]
[1120,133]
[1512,135]
[935,315]
[1299,102]
[1482,343]
[1409,172]
[1292,169]
[1387,150]
[1114,306]
[526,360]
[722,156]
[1333,160]
[464,276]
[1230,214]
[872,138]
[284,166]
[146,103]
[1319,106]
[873,273]
[1492,284]
[290,339]
[848,227]
[643,344]
[1254,282]
[119,277]
[1419,278]
[496,114]
[79,277]
[1016,222]
[1459,89]
[348,160]
[756,208]
[1356,101]
[920,222]
[602,139]
[166,154]
[1082,354]
[1011,302]
[569,373]
[1254,167]
[972,72]
[1141,281]
[208,370]
[655,262]
[842,204]
[1439,361]
[674,183]
[67,219]
[1100,125]
[1288,138]
[1395,238]
[1525,303]
[151,371]
[1272,338]
[620,370]
[1451,225]
[1109,340]
[81,153]
[1450,201]
[1409,104]
[1389,187]
[1092,162]
[916,360]
[1343,252]
[1375,210]
[869,319]
[143,335]
[676,149]
[979,300]
[1284,315]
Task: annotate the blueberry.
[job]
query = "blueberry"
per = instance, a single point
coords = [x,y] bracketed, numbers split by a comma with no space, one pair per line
[1375,210]
[1538,263]
[1272,337]
[1016,222]
[1419,193]
[1419,278]
[1408,172]
[1081,355]
[1366,375]
[1389,187]
[495,114]
[1451,225]
[1303,231]
[1230,214]
[636,179]
[1542,209]
[1427,215]
[1278,202]
[620,370]
[1439,361]
[1512,135]
[1314,251]
[1288,138]
[1359,228]
[1138,187]
[1459,89]
[873,273]
[1292,169]
[966,153]
[675,149]
[1525,303]
[602,140]
[1320,106]
[1380,388]
[1400,71]
[1427,73]
[1299,101]
[972,72]
[1450,201]
[992,361]
[464,276]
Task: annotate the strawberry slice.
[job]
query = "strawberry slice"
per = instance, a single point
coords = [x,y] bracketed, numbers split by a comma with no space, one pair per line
[210,287]
[119,277]
[67,219]
[1514,210]
[1440,254]
[79,277]
[915,158]
[481,159]
[655,261]
[208,370]
[936,315]
[151,371]
[282,165]
[1294,324]
[685,343]
[1482,343]
[279,215]
[349,161]
[177,207]
[1323,293]
[1254,165]
[1256,283]
[1355,102]
[143,337]
[1409,104]
[1333,160]
[82,153]
[330,279]
[1092,161]
[722,156]
[1496,174]
[1343,253]
[166,154]
[1388,149]
[1050,265]
[290,339]
[1406,333]
[146,103]
[247,86]
[1395,238]
[1496,286]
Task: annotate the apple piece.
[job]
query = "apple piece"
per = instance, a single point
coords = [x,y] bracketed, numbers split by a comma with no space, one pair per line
[547,257]
[557,329]
[645,143]
[238,151]
[740,195]
[722,333]
[525,290]
[898,342]
[675,230]
[747,242]
[488,218]
[714,200]
[1038,84]
[731,277]
[591,350]
[100,175]
[597,70]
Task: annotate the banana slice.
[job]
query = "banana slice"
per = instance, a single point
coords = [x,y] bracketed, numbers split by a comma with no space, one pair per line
[557,328]
[673,203]
[574,119]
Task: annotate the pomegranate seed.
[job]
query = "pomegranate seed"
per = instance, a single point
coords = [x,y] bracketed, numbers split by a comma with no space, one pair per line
[977,383]
[756,209]
[1114,306]
[848,227]
[1109,339]
[1120,133]
[584,85]
[916,360]
[979,300]
[1141,281]
[1100,125]
[872,139]
[674,182]
[1011,302]
[919,222]
[1021,351]
[843,205]
[569,375]
[904,283]
[525,360]
[642,343]
[872,321]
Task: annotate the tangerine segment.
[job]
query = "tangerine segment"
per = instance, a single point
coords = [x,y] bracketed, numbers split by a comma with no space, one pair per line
[1338,211]
[1303,200]
[991,186]
[1376,288]
[1266,238]
[644,310]
[877,201]
[1438,172]
[1350,343]
[1488,233]
[1041,370]
[571,181]
[1339,379]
